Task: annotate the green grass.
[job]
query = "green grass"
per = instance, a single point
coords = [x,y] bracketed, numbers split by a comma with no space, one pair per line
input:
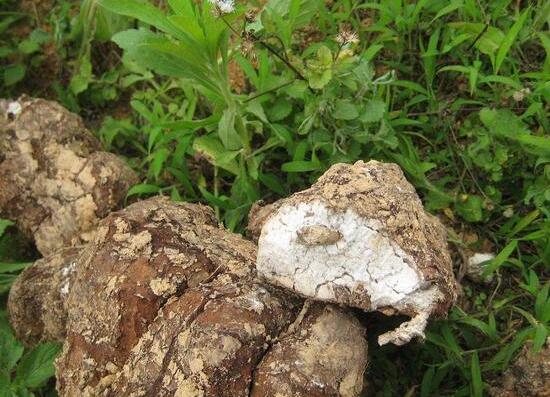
[456,92]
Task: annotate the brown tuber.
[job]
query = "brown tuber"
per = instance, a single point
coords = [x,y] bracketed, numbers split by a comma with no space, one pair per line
[55,181]
[37,303]
[325,354]
[528,376]
[166,303]
[359,237]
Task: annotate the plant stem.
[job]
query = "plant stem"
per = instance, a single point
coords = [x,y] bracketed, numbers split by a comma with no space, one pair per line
[269,91]
[270,49]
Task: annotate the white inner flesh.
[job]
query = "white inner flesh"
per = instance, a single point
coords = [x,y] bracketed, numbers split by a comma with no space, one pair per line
[363,261]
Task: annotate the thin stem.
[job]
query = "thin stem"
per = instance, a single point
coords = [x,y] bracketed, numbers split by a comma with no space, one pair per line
[270,49]
[269,91]
[281,58]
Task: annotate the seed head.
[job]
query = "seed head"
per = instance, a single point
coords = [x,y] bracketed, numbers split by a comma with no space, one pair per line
[347,37]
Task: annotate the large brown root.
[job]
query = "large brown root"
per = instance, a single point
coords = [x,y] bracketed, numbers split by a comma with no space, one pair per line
[359,237]
[165,303]
[37,303]
[54,180]
[325,354]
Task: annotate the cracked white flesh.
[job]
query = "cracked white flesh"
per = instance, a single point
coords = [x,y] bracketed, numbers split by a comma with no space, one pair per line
[361,261]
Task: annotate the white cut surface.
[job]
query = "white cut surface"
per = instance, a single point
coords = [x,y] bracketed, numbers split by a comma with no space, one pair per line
[362,260]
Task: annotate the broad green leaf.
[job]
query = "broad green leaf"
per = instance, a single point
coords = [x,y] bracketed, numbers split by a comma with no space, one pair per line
[227,132]
[504,123]
[374,111]
[36,367]
[166,57]
[454,5]
[82,79]
[539,339]
[508,40]
[212,149]
[10,349]
[345,110]
[13,74]
[142,10]
[470,208]
[182,7]
[273,182]
[159,158]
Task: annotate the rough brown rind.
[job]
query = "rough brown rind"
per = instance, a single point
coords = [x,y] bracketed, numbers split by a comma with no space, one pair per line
[37,303]
[529,375]
[166,303]
[325,354]
[346,229]
[206,342]
[54,180]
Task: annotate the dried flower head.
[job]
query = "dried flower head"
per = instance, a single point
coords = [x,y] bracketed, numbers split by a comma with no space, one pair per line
[223,6]
[248,48]
[521,94]
[347,37]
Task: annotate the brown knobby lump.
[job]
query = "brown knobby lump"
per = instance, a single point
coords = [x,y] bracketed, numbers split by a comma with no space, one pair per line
[55,181]
[359,237]
[37,302]
[166,303]
[528,376]
[205,343]
[324,354]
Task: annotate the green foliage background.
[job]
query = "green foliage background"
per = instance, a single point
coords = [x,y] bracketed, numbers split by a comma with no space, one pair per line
[229,112]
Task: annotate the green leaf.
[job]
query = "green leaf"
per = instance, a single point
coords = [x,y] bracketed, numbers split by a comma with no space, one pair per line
[159,157]
[300,166]
[280,110]
[470,208]
[500,258]
[504,123]
[141,10]
[539,340]
[13,74]
[345,110]
[10,349]
[81,80]
[477,383]
[227,132]
[508,40]
[4,224]
[143,189]
[274,183]
[36,367]
[374,111]
[212,149]
[13,267]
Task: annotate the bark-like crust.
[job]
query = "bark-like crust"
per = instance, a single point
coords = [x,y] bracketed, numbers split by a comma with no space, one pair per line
[165,303]
[529,375]
[54,180]
[206,342]
[359,237]
[37,303]
[325,354]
